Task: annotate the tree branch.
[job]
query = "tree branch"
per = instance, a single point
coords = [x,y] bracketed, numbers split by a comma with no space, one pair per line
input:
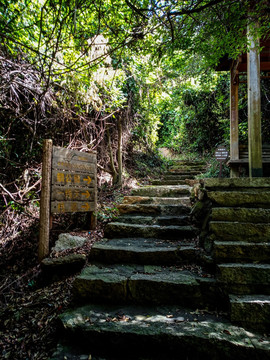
[195,9]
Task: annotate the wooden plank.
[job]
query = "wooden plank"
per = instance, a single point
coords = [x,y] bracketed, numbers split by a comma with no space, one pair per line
[44,226]
[73,179]
[254,105]
[73,165]
[234,126]
[72,206]
[67,193]
[75,155]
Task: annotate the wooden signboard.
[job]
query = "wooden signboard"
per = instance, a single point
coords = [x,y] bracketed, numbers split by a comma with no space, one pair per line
[73,181]
[69,184]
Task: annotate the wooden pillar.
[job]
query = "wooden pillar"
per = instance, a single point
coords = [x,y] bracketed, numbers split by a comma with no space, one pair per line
[254,106]
[234,130]
[45,211]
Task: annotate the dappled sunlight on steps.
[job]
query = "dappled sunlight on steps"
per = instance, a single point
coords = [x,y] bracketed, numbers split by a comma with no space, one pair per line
[149,291]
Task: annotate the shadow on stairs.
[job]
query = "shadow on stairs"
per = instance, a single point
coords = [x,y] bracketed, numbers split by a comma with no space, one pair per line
[150,291]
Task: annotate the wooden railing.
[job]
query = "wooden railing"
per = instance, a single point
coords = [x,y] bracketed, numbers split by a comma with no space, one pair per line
[243,155]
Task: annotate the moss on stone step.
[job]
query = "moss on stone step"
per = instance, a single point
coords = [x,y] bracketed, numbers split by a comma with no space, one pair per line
[155,209]
[163,191]
[253,215]
[241,251]
[240,198]
[238,231]
[120,230]
[251,311]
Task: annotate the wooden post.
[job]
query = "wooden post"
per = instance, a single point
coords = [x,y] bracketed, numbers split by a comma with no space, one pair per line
[254,106]
[120,151]
[45,214]
[93,219]
[234,136]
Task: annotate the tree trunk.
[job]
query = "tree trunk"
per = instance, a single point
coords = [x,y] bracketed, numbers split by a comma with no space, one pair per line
[114,172]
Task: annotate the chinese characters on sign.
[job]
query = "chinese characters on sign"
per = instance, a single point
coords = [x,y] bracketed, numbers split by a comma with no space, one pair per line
[221,155]
[73,181]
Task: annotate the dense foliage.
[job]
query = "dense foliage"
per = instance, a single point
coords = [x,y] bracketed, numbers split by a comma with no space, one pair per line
[118,77]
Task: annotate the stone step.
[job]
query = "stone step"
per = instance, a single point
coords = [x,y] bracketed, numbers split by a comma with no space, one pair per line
[245,278]
[154,209]
[175,172]
[253,215]
[156,200]
[146,284]
[251,311]
[163,191]
[183,171]
[144,251]
[155,220]
[177,176]
[168,182]
[187,162]
[240,198]
[234,183]
[240,251]
[133,332]
[120,230]
[187,167]
[237,231]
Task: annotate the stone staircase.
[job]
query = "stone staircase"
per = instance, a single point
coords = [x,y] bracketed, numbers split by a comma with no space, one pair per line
[148,292]
[180,171]
[240,227]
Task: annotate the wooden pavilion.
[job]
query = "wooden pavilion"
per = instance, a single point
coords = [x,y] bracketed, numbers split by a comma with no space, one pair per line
[256,156]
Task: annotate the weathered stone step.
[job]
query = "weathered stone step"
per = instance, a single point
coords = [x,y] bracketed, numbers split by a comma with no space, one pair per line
[163,191]
[253,215]
[240,198]
[168,182]
[175,172]
[240,251]
[251,311]
[232,183]
[155,220]
[237,231]
[154,209]
[177,176]
[144,251]
[158,333]
[187,167]
[146,284]
[120,230]
[245,278]
[187,162]
[156,200]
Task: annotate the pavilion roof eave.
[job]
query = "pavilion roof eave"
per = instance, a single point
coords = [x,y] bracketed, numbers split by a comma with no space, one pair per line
[226,63]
